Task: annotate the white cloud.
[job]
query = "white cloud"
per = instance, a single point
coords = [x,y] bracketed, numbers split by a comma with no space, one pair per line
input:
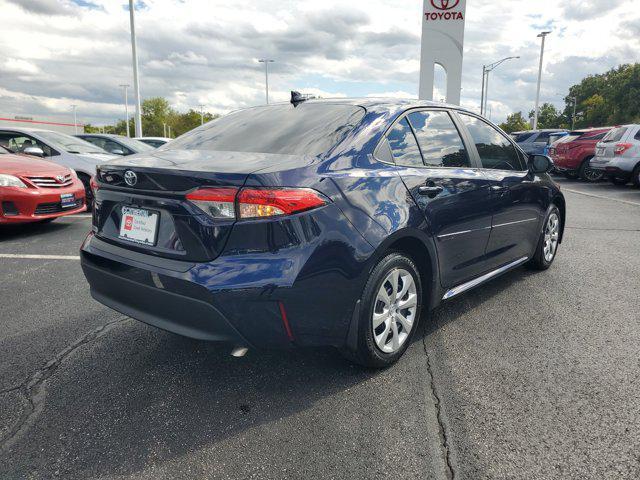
[204,52]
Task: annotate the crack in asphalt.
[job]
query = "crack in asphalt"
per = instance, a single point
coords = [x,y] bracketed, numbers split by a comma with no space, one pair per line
[444,440]
[34,390]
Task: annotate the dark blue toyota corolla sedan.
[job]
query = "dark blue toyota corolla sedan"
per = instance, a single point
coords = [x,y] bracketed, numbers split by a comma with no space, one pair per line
[318,222]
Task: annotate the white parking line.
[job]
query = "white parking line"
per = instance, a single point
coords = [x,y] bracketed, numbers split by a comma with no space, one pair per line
[601,196]
[39,257]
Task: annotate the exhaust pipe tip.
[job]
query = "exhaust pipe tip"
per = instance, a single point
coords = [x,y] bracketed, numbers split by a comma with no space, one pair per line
[239,352]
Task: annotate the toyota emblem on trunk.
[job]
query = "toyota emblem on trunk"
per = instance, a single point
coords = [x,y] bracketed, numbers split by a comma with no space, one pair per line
[130,178]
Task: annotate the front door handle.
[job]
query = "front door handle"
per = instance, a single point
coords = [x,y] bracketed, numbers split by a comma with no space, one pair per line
[431,190]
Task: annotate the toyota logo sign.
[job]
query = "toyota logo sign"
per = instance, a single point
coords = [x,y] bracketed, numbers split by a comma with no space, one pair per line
[445,4]
[130,178]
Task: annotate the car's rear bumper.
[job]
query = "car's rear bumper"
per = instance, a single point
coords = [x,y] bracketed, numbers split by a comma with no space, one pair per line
[260,299]
[23,205]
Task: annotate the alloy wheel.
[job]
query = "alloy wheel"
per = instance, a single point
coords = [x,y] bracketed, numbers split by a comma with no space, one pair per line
[394,311]
[592,175]
[551,236]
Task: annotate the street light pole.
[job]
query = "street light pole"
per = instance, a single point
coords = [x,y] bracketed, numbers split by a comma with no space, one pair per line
[266,62]
[75,121]
[542,35]
[484,73]
[136,82]
[126,106]
[486,69]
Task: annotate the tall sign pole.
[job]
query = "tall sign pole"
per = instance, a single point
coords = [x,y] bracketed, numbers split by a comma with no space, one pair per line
[543,35]
[136,83]
[442,44]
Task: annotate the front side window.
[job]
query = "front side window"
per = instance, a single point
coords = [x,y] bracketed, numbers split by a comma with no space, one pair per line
[495,150]
[403,145]
[439,139]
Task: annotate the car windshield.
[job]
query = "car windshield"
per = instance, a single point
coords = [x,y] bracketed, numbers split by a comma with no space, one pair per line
[615,135]
[521,137]
[69,143]
[134,144]
[306,129]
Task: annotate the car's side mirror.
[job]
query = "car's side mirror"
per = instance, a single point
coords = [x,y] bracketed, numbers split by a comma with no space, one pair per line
[117,151]
[35,151]
[540,164]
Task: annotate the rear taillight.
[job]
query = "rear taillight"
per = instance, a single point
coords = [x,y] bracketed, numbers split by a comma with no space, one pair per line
[270,202]
[622,147]
[216,202]
[229,203]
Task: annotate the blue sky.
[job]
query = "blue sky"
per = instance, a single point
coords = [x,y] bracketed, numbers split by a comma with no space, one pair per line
[204,52]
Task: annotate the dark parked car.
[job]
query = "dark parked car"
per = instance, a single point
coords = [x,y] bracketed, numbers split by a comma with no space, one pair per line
[116,144]
[328,222]
[572,155]
[536,142]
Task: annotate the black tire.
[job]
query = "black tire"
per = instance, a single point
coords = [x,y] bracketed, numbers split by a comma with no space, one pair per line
[539,261]
[635,176]
[571,175]
[367,352]
[88,193]
[588,174]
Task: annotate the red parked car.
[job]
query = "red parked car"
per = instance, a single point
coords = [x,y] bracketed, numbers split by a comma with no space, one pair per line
[34,190]
[573,153]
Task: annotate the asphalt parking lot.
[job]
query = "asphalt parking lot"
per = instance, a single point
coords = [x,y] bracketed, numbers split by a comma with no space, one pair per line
[536,375]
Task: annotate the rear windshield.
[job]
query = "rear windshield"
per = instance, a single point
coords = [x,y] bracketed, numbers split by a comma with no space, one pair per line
[615,135]
[308,129]
[134,144]
[521,137]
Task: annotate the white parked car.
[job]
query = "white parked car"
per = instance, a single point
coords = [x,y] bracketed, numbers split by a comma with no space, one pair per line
[57,147]
[618,154]
[155,142]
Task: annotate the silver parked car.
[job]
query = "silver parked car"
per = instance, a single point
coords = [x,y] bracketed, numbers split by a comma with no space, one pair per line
[116,144]
[57,147]
[618,154]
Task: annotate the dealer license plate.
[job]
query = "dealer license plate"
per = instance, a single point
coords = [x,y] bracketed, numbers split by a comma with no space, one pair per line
[67,200]
[139,225]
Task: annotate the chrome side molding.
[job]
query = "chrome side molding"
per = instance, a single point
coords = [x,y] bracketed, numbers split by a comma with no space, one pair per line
[484,278]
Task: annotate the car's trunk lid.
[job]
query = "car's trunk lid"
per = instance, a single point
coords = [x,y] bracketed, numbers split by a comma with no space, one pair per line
[156,189]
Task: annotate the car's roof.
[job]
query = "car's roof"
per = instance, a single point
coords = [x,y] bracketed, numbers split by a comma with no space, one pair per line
[381,103]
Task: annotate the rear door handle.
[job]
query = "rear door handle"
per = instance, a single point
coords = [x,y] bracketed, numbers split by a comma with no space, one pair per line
[431,190]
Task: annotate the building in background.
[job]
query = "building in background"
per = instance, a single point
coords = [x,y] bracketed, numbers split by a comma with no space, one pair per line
[24,121]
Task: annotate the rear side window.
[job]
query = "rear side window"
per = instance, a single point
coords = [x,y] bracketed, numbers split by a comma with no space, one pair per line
[403,145]
[495,150]
[615,135]
[439,139]
[307,129]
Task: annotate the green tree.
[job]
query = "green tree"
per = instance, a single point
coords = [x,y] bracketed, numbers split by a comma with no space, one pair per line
[549,117]
[515,123]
